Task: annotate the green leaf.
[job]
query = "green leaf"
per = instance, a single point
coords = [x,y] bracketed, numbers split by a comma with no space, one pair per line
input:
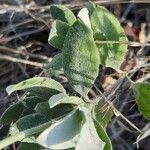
[29,146]
[84,16]
[43,108]
[28,122]
[12,113]
[63,133]
[27,111]
[39,86]
[80,58]
[90,6]
[73,131]
[103,113]
[30,139]
[55,66]
[62,13]
[142,95]
[103,135]
[26,127]
[32,101]
[106,27]
[56,98]
[58,33]
[61,99]
[59,111]
[88,138]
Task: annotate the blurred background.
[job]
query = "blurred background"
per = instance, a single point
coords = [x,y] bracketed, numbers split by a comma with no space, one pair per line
[24,30]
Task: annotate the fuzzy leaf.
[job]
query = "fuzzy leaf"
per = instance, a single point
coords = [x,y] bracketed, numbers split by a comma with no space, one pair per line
[103,113]
[90,6]
[29,146]
[56,98]
[27,111]
[60,99]
[55,66]
[30,139]
[84,16]
[88,138]
[12,113]
[39,86]
[142,95]
[63,133]
[58,33]
[103,135]
[59,111]
[62,13]
[43,108]
[106,27]
[32,122]
[73,131]
[25,127]
[32,101]
[80,58]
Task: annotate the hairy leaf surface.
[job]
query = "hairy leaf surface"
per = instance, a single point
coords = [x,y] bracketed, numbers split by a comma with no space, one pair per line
[107,28]
[103,135]
[55,66]
[58,33]
[62,13]
[40,86]
[142,95]
[64,99]
[12,113]
[103,113]
[80,58]
[29,146]
[94,135]
[63,133]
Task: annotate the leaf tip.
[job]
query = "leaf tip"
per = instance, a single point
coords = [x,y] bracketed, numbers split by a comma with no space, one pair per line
[9,89]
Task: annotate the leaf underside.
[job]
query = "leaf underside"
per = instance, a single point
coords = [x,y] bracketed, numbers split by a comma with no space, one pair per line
[40,86]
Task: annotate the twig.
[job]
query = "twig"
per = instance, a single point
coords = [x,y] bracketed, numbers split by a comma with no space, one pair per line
[18,60]
[144,45]
[21,34]
[144,78]
[8,28]
[25,53]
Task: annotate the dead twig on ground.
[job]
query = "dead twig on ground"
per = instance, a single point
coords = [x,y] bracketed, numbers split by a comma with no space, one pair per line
[22,52]
[5,40]
[18,60]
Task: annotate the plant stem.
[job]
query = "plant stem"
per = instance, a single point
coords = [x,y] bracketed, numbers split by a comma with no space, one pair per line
[22,52]
[132,82]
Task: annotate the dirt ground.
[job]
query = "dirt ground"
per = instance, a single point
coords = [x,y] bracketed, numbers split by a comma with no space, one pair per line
[24,30]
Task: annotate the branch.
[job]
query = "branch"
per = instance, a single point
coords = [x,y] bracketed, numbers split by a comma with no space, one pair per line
[18,60]
[22,52]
